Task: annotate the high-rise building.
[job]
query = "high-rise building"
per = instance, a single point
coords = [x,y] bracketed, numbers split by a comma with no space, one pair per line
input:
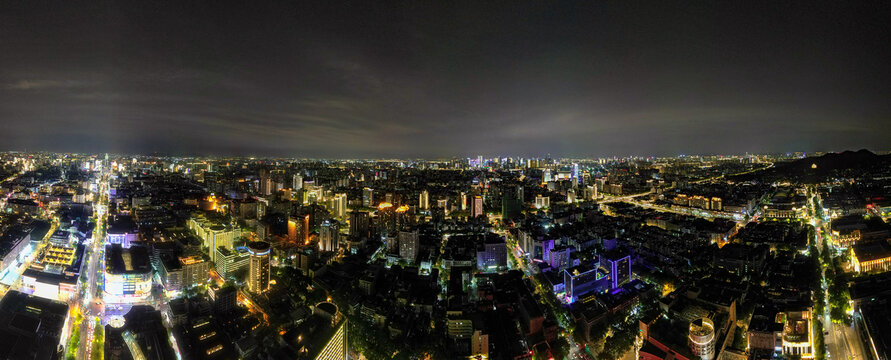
[619,266]
[408,245]
[463,201]
[229,261]
[367,197]
[296,182]
[491,254]
[258,280]
[213,234]
[358,223]
[329,235]
[477,206]
[339,205]
[542,202]
[323,336]
[512,201]
[424,202]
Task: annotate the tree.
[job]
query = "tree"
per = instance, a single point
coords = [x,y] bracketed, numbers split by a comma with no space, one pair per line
[98,341]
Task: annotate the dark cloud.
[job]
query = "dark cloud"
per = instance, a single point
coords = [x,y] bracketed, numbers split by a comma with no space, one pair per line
[365,79]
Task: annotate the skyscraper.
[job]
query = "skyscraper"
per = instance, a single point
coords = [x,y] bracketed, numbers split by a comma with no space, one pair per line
[259,269]
[367,197]
[424,202]
[408,245]
[297,182]
[339,205]
[329,235]
[477,206]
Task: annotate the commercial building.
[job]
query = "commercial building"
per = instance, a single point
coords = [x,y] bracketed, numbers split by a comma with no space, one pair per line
[258,280]
[583,279]
[128,274]
[53,273]
[871,256]
[367,197]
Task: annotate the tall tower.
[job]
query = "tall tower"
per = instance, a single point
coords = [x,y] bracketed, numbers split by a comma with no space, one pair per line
[329,234]
[424,201]
[297,182]
[259,266]
[477,206]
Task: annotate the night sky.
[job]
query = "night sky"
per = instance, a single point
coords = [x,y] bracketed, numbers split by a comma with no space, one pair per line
[443,78]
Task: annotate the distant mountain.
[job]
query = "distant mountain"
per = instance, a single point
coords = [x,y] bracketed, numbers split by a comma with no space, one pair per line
[813,169]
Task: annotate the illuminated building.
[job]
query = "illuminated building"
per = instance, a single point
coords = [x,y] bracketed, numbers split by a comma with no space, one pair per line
[259,266]
[424,201]
[323,336]
[128,274]
[542,202]
[339,205]
[12,244]
[491,254]
[702,338]
[212,234]
[121,230]
[618,265]
[408,245]
[463,201]
[798,338]
[296,182]
[53,274]
[583,279]
[329,235]
[367,197]
[477,206]
[230,261]
[871,256]
[443,204]
[479,345]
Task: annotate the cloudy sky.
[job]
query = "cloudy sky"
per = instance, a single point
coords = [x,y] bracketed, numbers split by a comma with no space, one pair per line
[417,79]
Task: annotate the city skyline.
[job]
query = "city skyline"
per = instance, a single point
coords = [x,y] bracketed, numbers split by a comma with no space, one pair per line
[438,81]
